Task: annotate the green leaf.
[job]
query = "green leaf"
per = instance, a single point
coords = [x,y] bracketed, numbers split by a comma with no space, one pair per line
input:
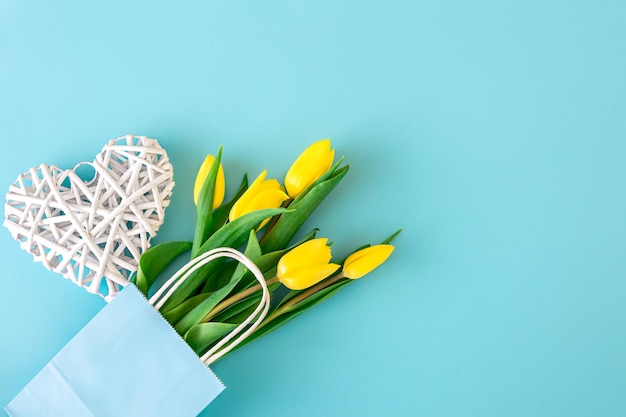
[232,235]
[294,312]
[246,312]
[319,296]
[253,252]
[253,249]
[203,335]
[266,264]
[392,237]
[237,308]
[198,313]
[288,224]
[306,238]
[220,275]
[153,261]
[204,209]
[179,312]
[220,214]
[291,294]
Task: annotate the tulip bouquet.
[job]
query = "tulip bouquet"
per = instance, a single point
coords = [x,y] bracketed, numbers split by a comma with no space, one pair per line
[218,301]
[261,219]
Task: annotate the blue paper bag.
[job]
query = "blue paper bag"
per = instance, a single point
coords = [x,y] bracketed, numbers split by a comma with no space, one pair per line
[127,361]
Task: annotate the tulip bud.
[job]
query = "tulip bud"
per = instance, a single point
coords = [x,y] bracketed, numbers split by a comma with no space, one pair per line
[364,261]
[220,183]
[310,165]
[306,265]
[261,194]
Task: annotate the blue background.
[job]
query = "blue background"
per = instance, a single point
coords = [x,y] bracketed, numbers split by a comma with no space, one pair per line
[493,132]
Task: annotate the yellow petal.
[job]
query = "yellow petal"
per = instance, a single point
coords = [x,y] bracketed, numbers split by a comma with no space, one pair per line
[310,165]
[238,208]
[309,253]
[307,277]
[268,185]
[271,198]
[220,183]
[266,199]
[366,260]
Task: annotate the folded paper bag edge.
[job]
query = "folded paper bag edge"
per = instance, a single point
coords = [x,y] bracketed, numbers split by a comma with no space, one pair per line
[31,402]
[165,378]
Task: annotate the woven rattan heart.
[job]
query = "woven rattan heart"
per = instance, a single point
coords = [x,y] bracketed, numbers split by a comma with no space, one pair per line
[93,232]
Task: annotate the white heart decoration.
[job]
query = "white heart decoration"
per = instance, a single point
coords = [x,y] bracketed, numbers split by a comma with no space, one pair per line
[93,232]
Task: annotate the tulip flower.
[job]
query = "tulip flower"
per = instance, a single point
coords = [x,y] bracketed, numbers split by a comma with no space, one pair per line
[310,165]
[220,183]
[306,265]
[364,261]
[262,194]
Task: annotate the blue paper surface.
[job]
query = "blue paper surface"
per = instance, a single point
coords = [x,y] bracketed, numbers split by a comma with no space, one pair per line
[126,361]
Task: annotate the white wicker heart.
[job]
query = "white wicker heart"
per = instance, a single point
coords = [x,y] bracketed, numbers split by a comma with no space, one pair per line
[93,232]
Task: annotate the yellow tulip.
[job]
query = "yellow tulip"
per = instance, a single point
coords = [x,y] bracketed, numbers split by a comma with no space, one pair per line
[310,165]
[306,265]
[261,194]
[220,183]
[364,261]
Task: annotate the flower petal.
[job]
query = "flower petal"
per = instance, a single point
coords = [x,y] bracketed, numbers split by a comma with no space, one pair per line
[307,277]
[238,208]
[263,200]
[309,166]
[220,183]
[366,260]
[271,184]
[311,252]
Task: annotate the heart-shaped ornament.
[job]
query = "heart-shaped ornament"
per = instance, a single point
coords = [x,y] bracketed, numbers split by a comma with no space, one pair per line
[93,232]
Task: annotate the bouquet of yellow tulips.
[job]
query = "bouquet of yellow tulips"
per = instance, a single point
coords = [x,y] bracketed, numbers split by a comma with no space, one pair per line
[261,219]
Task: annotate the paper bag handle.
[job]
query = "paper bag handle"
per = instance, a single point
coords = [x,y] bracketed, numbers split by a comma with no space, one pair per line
[167,289]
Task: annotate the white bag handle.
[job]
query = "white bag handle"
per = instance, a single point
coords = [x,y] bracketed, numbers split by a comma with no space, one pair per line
[167,289]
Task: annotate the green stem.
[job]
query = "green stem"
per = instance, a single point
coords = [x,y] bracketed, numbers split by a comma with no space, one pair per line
[274,220]
[285,308]
[236,298]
